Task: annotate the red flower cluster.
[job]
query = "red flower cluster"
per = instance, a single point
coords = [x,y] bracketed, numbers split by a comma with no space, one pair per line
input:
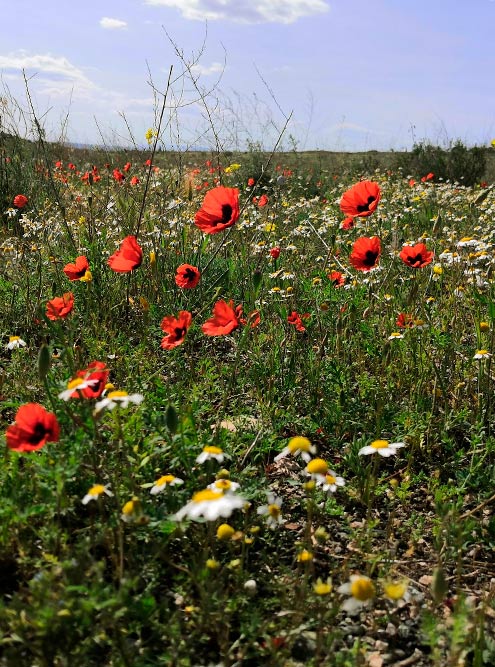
[361,200]
[20,201]
[416,256]
[220,210]
[187,276]
[337,278]
[225,319]
[365,253]
[128,257]
[275,252]
[296,319]
[60,306]
[176,328]
[78,269]
[33,428]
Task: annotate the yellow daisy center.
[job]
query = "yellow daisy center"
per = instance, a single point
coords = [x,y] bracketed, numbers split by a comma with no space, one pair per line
[212,450]
[395,590]
[117,394]
[362,589]
[321,588]
[330,479]
[317,467]
[96,490]
[73,384]
[225,532]
[12,339]
[299,444]
[223,484]
[206,496]
[379,444]
[274,510]
[166,479]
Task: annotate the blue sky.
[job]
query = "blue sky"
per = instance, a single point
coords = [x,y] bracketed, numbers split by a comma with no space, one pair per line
[356,74]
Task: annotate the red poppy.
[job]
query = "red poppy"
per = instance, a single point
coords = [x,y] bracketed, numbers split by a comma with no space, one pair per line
[262,201]
[220,210]
[128,257]
[337,278]
[127,166]
[97,373]
[416,256]
[405,321]
[118,175]
[348,223]
[428,177]
[361,200]
[296,319]
[60,306]
[176,328]
[275,252]
[78,269]
[33,428]
[187,276]
[225,319]
[365,253]
[20,201]
[412,182]
[134,180]
[250,182]
[253,319]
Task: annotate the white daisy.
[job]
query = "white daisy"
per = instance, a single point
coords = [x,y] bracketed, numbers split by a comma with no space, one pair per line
[15,342]
[209,453]
[383,447]
[95,492]
[298,445]
[211,505]
[164,482]
[120,398]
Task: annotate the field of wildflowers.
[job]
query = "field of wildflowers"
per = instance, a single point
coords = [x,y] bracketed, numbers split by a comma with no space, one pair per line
[248,414]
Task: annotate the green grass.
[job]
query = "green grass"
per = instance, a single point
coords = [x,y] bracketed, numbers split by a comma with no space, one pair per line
[80,585]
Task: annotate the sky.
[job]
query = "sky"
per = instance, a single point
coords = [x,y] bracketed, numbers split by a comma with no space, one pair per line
[340,75]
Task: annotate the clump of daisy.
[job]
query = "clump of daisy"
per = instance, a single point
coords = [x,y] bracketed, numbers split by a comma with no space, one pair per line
[381,447]
[95,492]
[272,510]
[210,505]
[298,446]
[361,591]
[164,482]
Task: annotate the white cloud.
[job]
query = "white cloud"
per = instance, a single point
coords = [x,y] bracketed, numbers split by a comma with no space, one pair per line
[112,24]
[245,11]
[214,68]
[55,67]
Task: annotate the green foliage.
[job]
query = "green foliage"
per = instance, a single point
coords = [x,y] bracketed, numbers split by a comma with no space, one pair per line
[458,163]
